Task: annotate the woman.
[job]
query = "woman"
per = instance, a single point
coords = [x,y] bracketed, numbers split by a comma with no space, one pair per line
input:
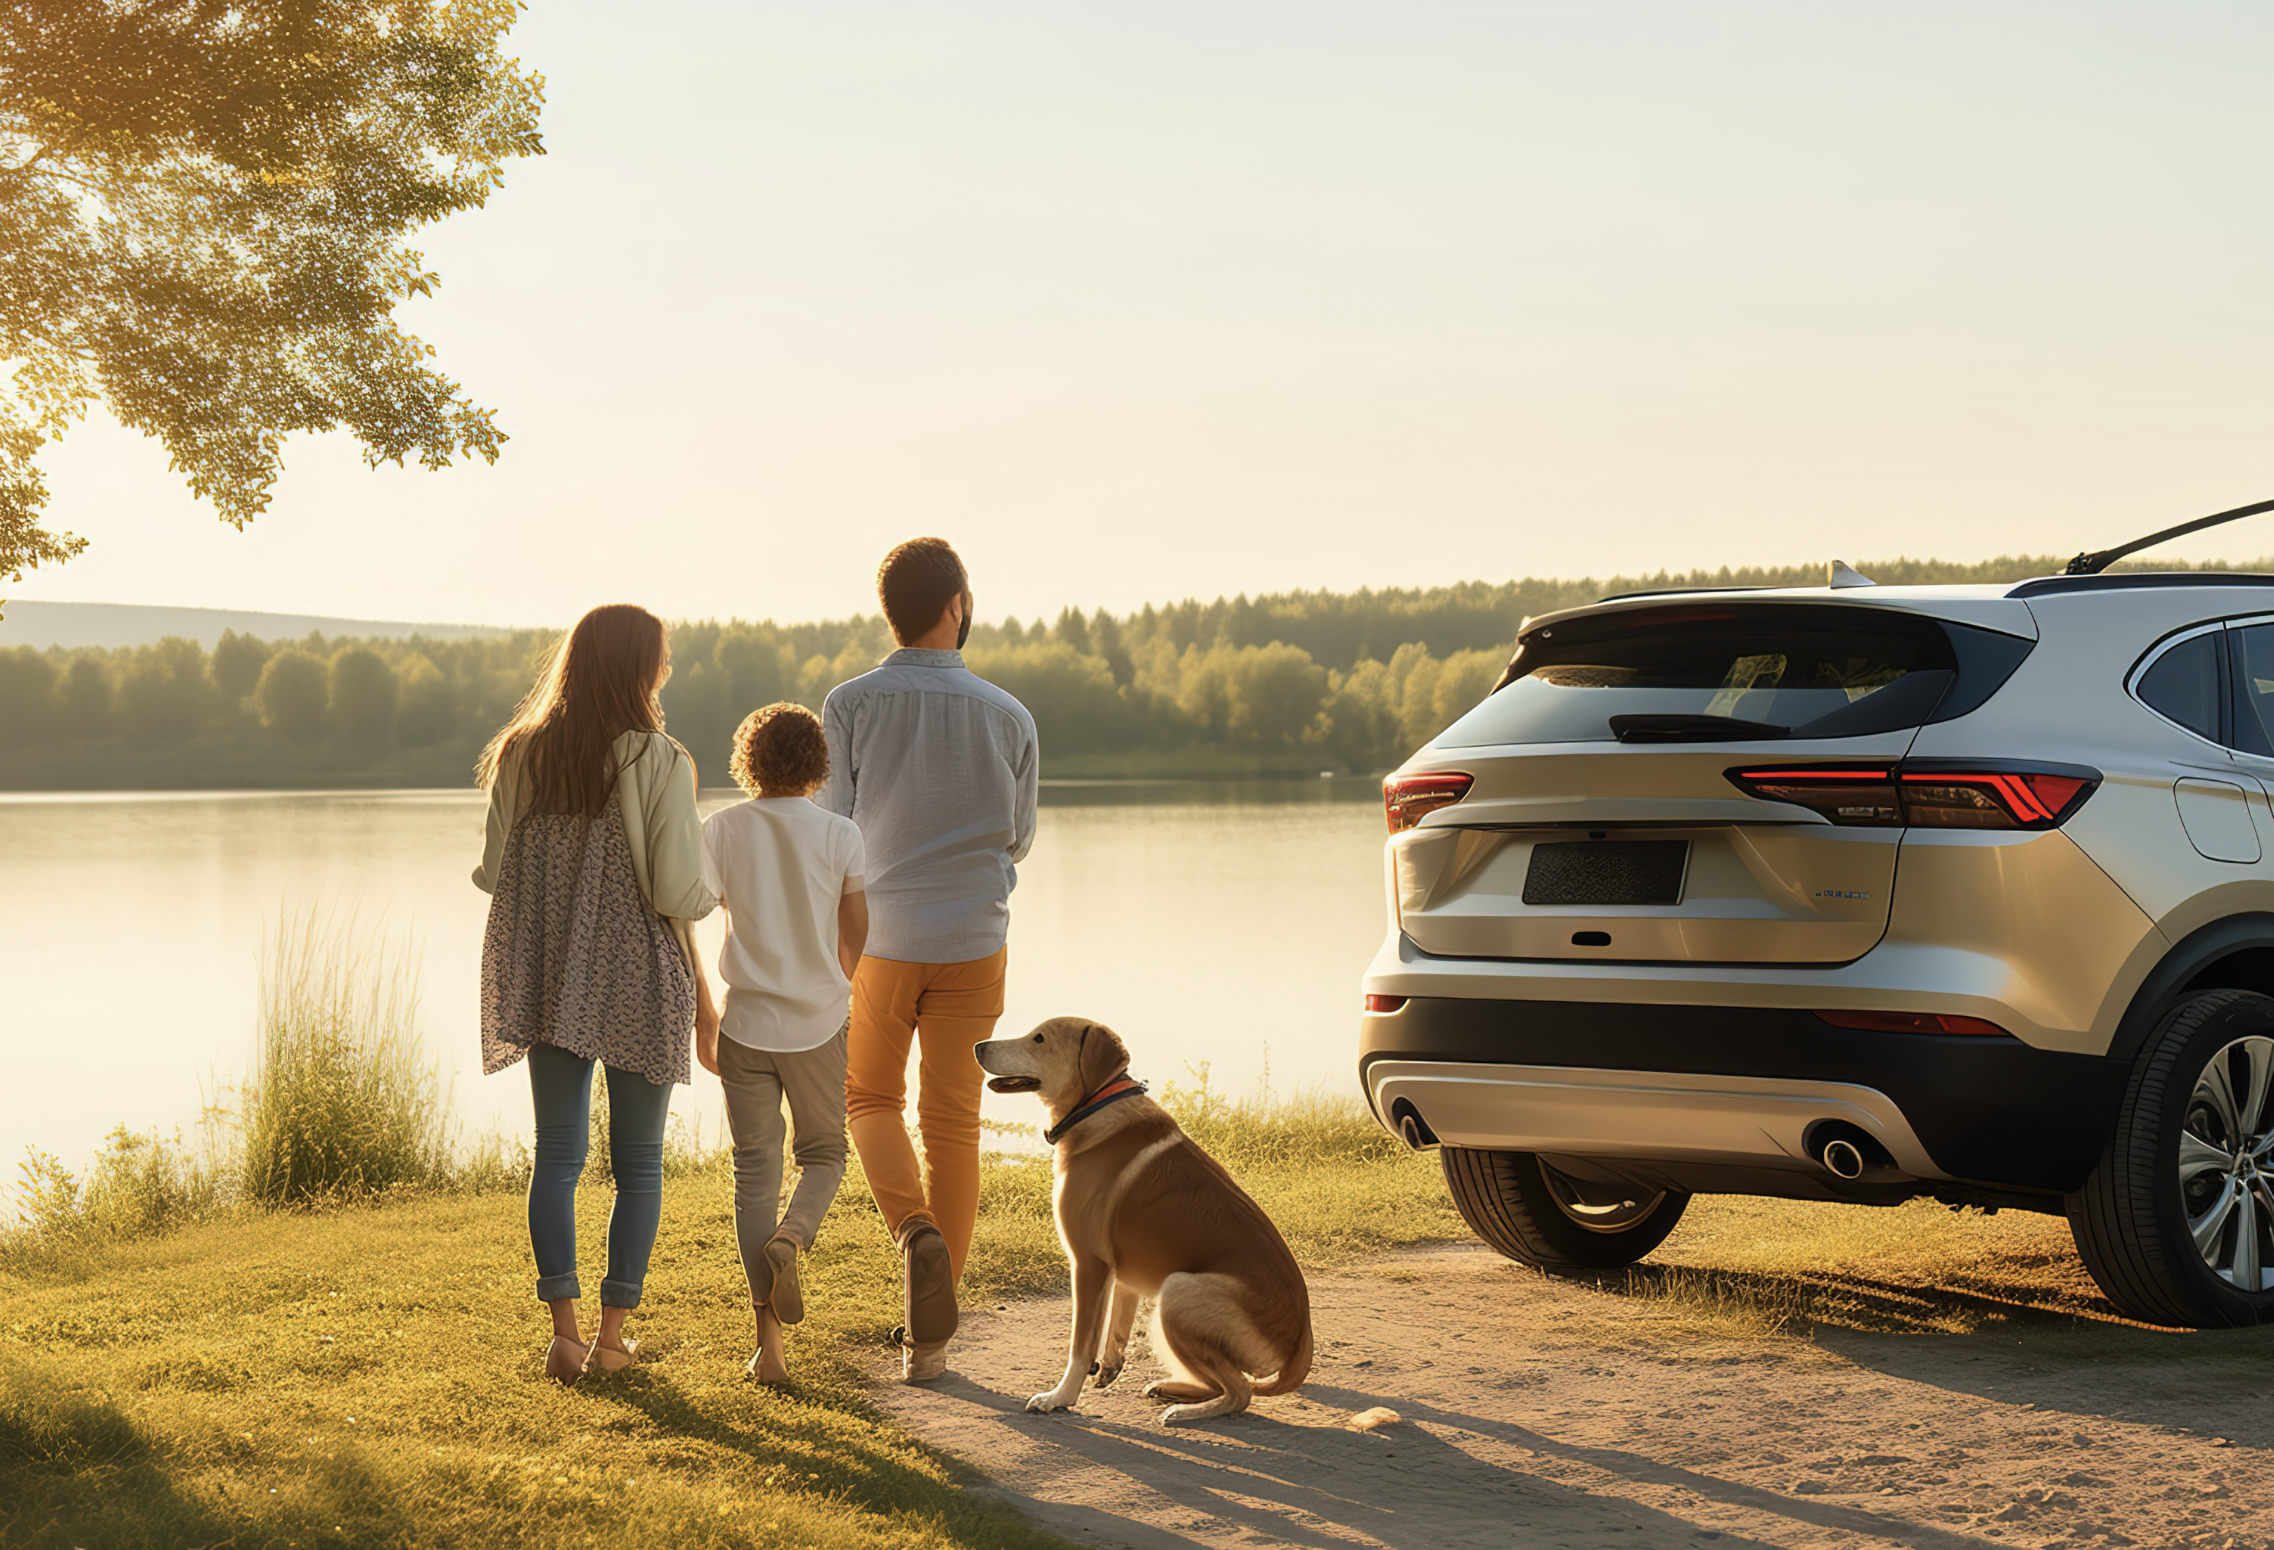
[593,862]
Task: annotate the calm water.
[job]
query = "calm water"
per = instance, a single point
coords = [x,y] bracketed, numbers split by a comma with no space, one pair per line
[1217,924]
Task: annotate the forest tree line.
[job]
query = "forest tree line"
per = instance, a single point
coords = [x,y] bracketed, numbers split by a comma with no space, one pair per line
[1288,683]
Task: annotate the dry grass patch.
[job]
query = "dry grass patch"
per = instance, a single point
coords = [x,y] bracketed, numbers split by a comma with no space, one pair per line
[1746,1269]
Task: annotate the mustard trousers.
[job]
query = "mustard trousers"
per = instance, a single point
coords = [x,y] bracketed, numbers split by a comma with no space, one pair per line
[945,1008]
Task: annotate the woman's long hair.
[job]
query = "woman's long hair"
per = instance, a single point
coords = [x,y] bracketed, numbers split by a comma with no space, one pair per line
[601,680]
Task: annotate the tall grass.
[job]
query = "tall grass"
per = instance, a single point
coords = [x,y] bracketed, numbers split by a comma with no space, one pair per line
[140,1184]
[342,1103]
[1267,1131]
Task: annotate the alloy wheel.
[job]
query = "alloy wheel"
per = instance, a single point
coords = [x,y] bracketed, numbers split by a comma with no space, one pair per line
[1601,1207]
[2226,1164]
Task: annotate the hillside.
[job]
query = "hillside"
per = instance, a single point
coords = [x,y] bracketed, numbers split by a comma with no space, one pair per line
[113,625]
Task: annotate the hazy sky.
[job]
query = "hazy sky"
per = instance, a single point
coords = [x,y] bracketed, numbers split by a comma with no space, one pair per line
[1138,301]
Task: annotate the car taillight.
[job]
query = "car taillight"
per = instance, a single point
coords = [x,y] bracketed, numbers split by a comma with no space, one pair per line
[1933,794]
[1914,1022]
[1407,799]
[1847,794]
[2015,798]
[1385,1003]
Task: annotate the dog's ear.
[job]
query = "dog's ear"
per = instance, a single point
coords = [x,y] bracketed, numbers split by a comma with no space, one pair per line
[1103,1057]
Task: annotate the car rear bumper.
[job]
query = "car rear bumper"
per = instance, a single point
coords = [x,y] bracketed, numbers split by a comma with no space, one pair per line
[1736,1087]
[1669,1116]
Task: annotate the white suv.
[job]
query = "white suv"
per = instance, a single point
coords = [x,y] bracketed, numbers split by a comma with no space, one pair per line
[1854,893]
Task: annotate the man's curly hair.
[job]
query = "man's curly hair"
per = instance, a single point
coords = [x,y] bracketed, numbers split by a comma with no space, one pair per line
[779,748]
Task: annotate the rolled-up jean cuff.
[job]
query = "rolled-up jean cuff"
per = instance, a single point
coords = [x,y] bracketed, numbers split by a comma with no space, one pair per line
[554,1288]
[619,1294]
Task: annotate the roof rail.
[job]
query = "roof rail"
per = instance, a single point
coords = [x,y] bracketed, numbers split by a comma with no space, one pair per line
[2098,560]
[2087,582]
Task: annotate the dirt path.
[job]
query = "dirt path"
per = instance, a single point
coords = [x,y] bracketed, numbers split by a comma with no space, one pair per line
[1523,1425]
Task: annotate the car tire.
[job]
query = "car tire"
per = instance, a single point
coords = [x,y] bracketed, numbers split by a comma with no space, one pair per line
[1526,1209]
[2190,1153]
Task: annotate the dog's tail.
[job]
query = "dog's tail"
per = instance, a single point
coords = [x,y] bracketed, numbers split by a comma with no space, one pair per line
[1297,1367]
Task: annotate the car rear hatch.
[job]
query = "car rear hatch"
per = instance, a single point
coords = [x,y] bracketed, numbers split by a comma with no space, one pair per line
[1623,795]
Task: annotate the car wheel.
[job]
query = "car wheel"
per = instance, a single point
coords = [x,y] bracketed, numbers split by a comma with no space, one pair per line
[1538,1216]
[2177,1221]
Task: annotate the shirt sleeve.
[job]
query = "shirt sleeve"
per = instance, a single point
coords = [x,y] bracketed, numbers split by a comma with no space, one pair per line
[837,791]
[856,860]
[1028,769]
[675,836]
[497,824]
[713,878]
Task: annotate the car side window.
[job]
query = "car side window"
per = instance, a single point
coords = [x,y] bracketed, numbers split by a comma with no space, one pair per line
[2183,684]
[2253,648]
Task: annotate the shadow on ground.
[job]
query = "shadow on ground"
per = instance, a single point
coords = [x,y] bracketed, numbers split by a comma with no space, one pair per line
[1296,1484]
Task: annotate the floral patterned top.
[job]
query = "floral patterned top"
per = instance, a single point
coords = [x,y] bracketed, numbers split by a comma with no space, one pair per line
[574,957]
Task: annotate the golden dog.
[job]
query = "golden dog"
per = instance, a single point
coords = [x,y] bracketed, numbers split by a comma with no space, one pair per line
[1143,1211]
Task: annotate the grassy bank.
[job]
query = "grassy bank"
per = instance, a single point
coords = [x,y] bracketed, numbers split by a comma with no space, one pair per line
[368,1375]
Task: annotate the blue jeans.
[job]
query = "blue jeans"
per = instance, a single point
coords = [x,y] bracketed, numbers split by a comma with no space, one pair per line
[560,1087]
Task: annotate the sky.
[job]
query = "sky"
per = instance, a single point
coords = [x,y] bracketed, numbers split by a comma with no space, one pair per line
[1135,302]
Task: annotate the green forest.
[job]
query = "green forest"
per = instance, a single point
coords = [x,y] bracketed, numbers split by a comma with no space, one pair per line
[1290,683]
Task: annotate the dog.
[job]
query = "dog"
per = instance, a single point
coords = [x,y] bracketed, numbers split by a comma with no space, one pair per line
[1144,1212]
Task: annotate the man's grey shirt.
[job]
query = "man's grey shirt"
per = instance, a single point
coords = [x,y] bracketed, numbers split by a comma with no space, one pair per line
[939,768]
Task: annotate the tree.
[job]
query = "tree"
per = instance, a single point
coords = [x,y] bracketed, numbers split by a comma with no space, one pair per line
[162,691]
[363,700]
[1273,694]
[425,711]
[203,210]
[86,697]
[291,695]
[1105,635]
[27,696]
[236,667]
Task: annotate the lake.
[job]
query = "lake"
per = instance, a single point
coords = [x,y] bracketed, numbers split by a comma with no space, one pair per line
[1216,924]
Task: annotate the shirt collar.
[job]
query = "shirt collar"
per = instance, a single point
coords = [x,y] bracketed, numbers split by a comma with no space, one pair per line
[917,656]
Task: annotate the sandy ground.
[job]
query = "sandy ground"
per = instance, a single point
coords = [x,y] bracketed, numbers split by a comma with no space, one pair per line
[1537,1413]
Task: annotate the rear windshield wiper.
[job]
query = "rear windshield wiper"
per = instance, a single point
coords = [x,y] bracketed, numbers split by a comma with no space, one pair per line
[1672,728]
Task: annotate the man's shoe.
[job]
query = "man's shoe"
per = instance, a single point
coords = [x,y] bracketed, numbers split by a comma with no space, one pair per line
[932,1313]
[922,1363]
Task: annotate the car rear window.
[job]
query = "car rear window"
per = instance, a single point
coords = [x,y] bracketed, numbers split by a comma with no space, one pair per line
[1734,672]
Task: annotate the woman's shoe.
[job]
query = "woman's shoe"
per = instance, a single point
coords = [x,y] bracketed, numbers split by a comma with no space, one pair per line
[565,1359]
[608,1359]
[781,1258]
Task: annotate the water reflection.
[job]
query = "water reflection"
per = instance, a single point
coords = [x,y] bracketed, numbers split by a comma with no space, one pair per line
[1223,923]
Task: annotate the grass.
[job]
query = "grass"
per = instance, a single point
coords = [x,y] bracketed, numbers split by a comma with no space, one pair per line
[345,1102]
[366,1374]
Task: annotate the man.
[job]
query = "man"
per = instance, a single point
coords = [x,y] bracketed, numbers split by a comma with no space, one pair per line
[938,768]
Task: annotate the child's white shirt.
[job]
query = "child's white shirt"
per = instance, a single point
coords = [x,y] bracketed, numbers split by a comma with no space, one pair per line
[781,864]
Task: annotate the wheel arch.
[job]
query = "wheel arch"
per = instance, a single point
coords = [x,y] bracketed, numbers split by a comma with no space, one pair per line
[2236,953]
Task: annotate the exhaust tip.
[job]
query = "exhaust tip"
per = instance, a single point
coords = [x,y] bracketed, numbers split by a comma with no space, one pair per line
[1412,1129]
[1842,1159]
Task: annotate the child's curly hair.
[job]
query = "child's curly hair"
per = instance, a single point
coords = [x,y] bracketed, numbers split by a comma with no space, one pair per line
[779,748]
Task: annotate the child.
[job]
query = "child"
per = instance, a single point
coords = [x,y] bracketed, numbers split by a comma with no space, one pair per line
[790,874]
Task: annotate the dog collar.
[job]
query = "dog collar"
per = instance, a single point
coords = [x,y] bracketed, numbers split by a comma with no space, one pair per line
[1122,1086]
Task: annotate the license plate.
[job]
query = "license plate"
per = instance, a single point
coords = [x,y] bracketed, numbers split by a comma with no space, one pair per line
[1607,872]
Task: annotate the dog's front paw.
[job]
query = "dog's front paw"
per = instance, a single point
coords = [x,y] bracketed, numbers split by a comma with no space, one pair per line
[1044,1403]
[1105,1377]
